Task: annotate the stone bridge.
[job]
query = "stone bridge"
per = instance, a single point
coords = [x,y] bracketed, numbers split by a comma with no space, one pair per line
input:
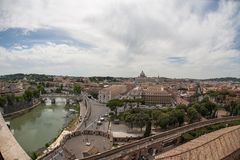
[9,147]
[53,97]
[155,144]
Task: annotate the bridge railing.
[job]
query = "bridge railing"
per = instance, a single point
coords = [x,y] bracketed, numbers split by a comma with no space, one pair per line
[59,95]
[182,129]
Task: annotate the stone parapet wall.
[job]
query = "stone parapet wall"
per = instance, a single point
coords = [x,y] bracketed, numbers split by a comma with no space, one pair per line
[75,134]
[22,111]
[85,132]
[9,147]
[215,146]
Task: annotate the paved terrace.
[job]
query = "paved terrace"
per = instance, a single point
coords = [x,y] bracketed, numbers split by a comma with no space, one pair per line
[158,139]
[216,145]
[9,147]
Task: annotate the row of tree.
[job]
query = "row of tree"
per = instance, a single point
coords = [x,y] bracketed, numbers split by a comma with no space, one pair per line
[170,117]
[213,93]
[233,108]
[30,77]
[163,118]
[205,108]
[221,96]
[27,97]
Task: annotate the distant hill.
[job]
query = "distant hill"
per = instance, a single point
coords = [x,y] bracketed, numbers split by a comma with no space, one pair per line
[43,77]
[12,77]
[225,79]
[21,76]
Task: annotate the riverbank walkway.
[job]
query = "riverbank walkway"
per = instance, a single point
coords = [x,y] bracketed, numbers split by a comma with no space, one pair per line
[9,147]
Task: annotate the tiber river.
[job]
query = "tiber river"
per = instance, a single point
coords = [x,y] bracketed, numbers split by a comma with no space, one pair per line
[41,125]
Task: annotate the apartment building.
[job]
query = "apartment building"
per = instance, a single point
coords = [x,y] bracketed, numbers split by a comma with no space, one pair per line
[156,95]
[112,92]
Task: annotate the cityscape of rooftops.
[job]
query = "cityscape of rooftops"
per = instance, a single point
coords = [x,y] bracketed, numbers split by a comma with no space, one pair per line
[120,80]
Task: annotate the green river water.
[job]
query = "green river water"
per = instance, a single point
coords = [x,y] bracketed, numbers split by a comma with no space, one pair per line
[41,125]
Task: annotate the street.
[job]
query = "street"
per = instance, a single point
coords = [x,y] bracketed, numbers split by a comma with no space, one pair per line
[97,110]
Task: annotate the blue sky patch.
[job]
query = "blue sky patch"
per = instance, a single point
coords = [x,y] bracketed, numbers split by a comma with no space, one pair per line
[236,43]
[177,60]
[235,59]
[21,37]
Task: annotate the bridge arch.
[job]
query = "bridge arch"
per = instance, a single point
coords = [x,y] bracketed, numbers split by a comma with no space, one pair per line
[53,98]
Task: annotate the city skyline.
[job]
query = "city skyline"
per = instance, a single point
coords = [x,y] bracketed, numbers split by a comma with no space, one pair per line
[3,76]
[177,39]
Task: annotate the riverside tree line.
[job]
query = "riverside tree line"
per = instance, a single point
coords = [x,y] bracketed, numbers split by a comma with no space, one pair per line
[12,103]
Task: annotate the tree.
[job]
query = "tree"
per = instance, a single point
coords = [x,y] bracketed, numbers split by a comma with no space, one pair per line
[155,114]
[19,98]
[233,108]
[182,106]
[179,114]
[35,93]
[137,117]
[192,114]
[41,89]
[201,109]
[3,101]
[114,103]
[141,118]
[94,94]
[129,118]
[148,129]
[77,89]
[28,95]
[236,110]
[58,90]
[172,118]
[211,107]
[163,120]
[34,155]
[10,99]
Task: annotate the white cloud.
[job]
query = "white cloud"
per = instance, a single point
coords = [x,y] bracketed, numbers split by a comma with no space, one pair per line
[127,36]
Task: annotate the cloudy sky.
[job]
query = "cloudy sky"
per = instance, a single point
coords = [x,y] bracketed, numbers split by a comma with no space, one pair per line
[170,38]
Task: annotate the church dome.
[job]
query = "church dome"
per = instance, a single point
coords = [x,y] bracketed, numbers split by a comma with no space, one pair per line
[142,75]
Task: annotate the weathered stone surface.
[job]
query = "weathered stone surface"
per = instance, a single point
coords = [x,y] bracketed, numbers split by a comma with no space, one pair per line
[216,145]
[9,147]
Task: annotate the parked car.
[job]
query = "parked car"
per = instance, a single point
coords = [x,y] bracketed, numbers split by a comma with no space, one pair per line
[99,123]
[101,118]
[88,143]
